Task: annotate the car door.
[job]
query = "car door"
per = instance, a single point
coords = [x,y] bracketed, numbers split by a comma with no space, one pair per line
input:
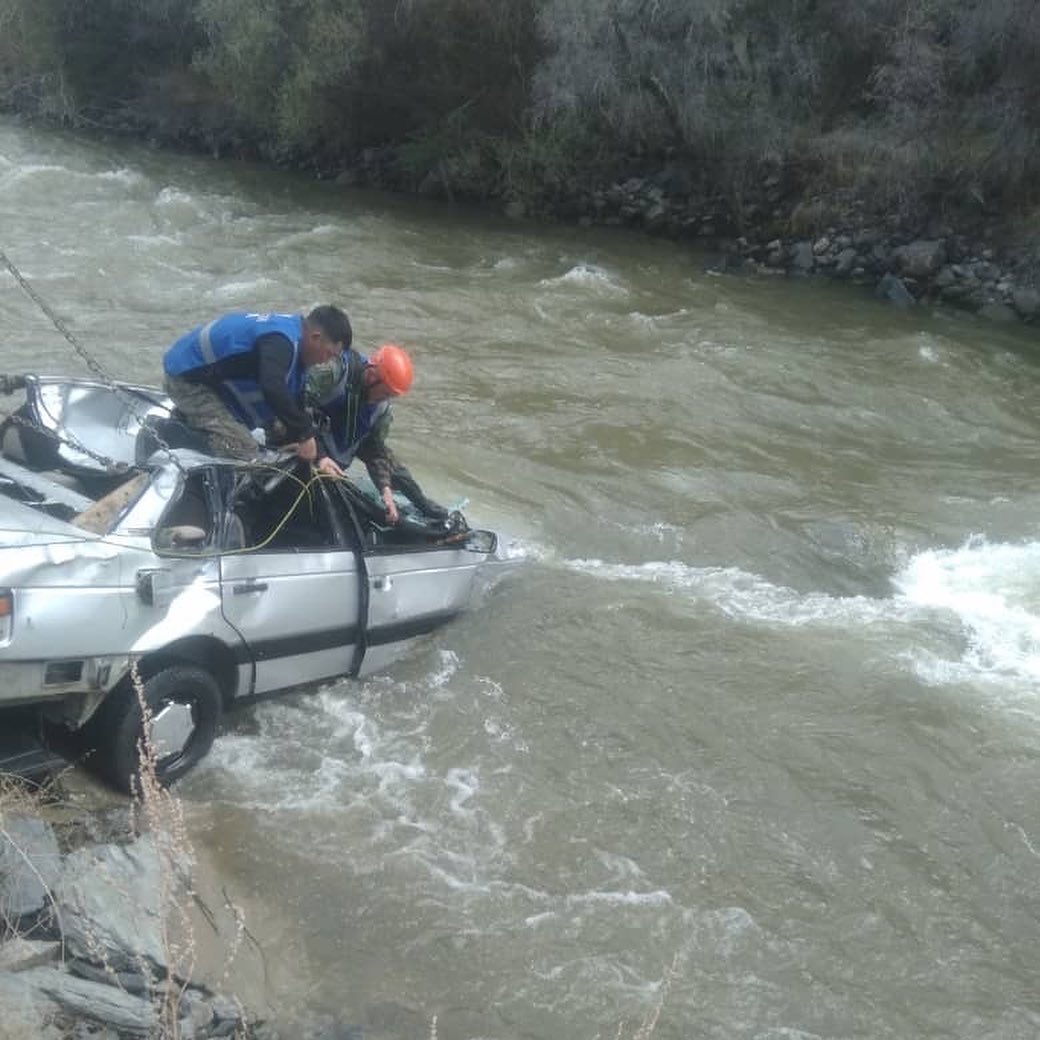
[413,585]
[291,589]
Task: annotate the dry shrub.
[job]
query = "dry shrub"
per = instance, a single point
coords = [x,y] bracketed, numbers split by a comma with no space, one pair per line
[159,812]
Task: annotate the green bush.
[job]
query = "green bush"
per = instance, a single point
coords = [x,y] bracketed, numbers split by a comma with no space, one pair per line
[925,103]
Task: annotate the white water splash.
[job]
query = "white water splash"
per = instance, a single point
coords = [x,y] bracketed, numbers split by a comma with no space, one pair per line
[986,596]
[246,290]
[745,596]
[585,275]
[994,592]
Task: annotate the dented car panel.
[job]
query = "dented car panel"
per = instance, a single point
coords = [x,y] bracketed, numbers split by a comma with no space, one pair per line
[181,582]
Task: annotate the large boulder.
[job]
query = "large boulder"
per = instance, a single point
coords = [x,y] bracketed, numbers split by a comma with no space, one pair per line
[920,259]
[109,900]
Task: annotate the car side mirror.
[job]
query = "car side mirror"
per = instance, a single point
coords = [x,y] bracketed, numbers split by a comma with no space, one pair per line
[180,536]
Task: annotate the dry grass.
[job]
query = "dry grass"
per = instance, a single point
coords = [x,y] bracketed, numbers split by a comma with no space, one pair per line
[158,813]
[20,798]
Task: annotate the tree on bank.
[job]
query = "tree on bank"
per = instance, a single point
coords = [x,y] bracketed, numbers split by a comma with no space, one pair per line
[919,104]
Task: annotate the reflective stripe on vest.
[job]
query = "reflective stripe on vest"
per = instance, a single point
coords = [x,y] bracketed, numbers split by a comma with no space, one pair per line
[205,345]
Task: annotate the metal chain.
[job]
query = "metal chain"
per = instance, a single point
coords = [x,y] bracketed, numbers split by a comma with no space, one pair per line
[29,291]
[92,364]
[108,464]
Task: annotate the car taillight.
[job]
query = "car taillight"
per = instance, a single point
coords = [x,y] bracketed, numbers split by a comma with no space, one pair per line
[6,614]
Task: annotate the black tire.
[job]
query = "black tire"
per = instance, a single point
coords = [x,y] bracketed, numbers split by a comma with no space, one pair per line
[185,694]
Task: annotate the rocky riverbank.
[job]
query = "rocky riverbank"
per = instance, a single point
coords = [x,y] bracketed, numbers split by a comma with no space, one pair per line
[983,270]
[979,265]
[103,927]
[977,260]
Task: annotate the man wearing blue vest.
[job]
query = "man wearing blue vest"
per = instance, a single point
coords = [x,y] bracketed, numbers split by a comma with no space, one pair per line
[241,372]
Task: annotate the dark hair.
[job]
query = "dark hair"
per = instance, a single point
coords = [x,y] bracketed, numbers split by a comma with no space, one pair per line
[333,322]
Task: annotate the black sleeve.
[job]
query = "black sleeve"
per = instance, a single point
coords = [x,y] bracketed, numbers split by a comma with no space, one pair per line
[274,356]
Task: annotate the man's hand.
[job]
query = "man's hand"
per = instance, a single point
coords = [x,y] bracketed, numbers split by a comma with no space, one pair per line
[308,449]
[391,506]
[329,467]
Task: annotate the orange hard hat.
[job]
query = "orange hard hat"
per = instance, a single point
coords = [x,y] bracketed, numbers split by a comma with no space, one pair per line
[394,366]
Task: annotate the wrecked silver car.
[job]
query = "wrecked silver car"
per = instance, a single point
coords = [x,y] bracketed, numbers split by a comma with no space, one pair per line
[124,553]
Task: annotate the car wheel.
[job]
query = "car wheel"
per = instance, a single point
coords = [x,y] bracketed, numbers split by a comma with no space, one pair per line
[185,706]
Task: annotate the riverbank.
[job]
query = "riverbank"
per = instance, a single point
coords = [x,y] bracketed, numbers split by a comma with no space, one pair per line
[985,262]
[112,927]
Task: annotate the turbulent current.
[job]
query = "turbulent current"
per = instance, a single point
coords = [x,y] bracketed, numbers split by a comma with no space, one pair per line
[743,743]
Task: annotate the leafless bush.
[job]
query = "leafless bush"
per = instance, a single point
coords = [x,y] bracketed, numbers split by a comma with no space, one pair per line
[707,77]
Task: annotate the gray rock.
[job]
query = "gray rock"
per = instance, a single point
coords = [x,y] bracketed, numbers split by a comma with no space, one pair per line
[22,1011]
[20,954]
[109,903]
[654,218]
[958,292]
[845,261]
[893,290]
[986,271]
[947,276]
[920,259]
[197,1009]
[866,238]
[92,1031]
[225,1009]
[135,982]
[802,256]
[30,865]
[1026,302]
[86,999]
[881,255]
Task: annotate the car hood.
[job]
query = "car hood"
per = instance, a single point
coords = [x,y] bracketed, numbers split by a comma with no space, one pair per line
[22,526]
[39,551]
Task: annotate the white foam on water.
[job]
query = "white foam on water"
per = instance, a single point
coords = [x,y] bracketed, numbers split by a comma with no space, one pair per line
[449,666]
[246,290]
[306,236]
[624,898]
[620,867]
[362,747]
[586,276]
[993,591]
[153,240]
[982,598]
[21,173]
[122,176]
[516,549]
[175,197]
[746,596]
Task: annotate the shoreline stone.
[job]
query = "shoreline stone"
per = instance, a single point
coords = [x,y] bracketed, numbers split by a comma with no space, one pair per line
[95,962]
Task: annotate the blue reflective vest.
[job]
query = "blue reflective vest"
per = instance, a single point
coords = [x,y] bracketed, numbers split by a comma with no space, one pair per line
[232,334]
[351,419]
